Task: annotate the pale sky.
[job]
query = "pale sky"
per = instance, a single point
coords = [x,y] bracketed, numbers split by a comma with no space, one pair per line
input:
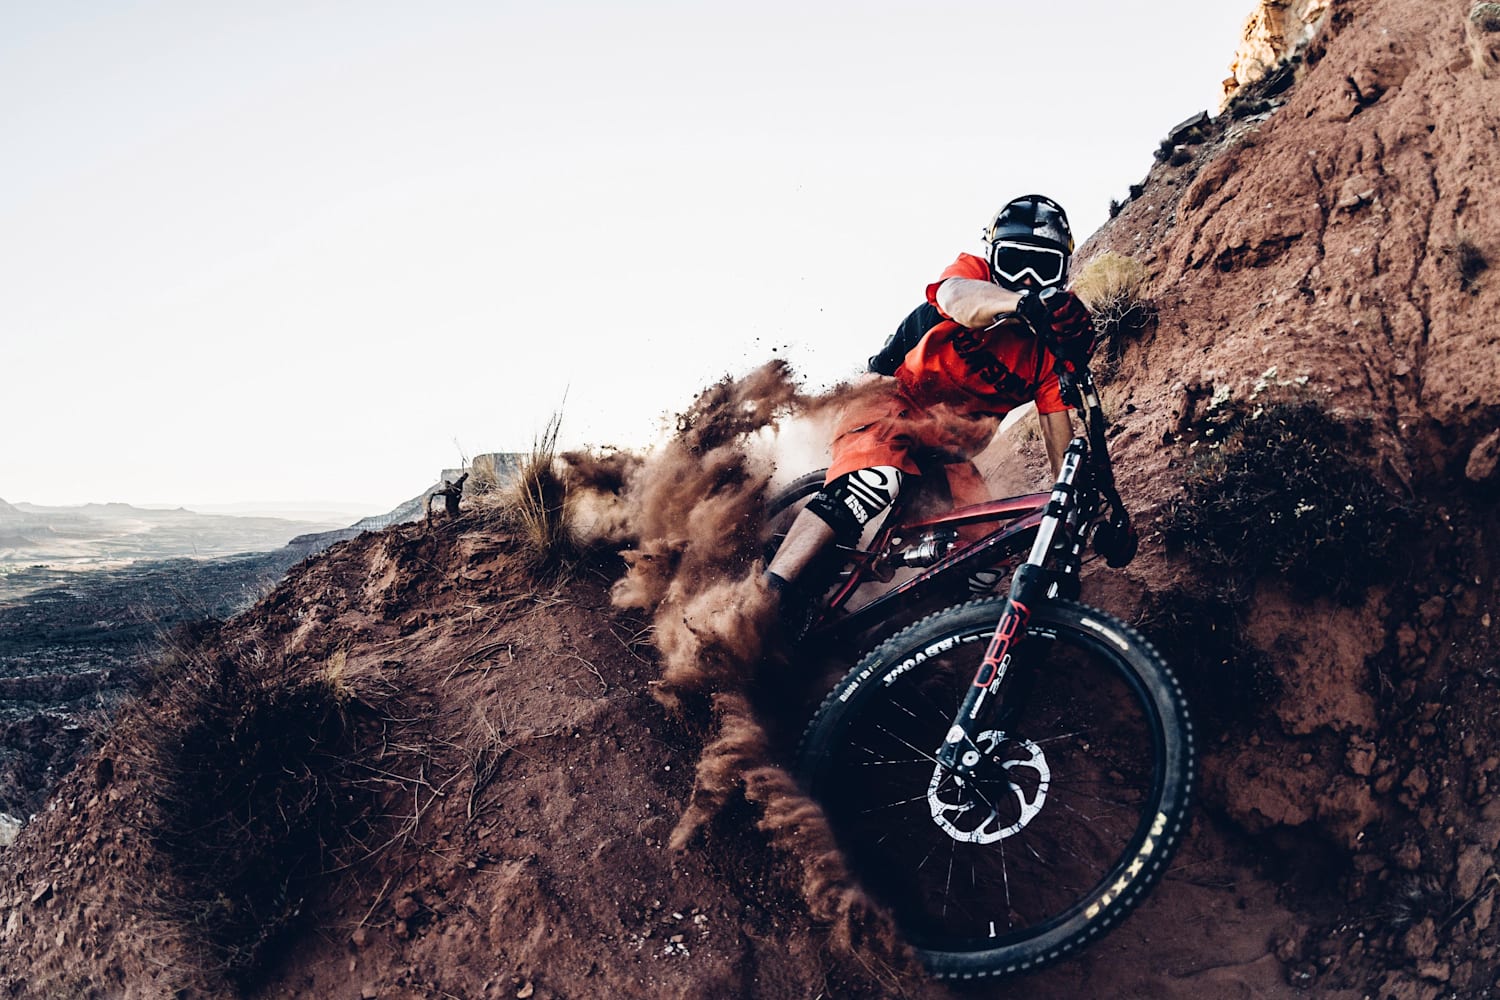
[313,251]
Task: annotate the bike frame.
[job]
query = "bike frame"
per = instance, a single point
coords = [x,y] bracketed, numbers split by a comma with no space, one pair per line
[1014,519]
[1016,516]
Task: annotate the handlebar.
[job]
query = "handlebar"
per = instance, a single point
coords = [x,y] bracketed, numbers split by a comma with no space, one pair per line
[1076,384]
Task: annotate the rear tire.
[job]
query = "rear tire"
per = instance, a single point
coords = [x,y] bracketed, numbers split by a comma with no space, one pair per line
[1080,804]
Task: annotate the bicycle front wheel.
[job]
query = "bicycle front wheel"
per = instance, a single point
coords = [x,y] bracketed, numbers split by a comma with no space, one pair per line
[1079,802]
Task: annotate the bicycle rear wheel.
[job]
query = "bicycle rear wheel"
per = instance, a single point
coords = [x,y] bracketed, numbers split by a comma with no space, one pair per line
[1079,804]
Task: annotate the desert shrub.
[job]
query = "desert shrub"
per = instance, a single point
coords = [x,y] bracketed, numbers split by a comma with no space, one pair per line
[1180,156]
[1280,492]
[1486,16]
[1113,286]
[249,791]
[1469,258]
[1201,634]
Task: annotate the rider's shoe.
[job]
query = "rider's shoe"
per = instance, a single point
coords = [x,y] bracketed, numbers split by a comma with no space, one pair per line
[792,614]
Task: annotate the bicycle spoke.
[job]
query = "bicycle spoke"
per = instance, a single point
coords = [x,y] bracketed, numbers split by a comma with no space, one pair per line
[892,805]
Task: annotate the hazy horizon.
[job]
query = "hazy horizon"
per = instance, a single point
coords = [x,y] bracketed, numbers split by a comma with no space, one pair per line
[317,512]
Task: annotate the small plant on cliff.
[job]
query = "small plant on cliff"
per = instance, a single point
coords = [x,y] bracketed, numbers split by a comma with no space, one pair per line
[1249,109]
[1470,260]
[1113,286]
[1275,490]
[541,505]
[1486,16]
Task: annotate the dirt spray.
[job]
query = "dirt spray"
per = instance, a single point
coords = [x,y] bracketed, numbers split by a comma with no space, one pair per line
[692,512]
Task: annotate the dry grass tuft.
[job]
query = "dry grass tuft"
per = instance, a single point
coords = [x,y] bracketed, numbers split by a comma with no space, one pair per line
[538,504]
[1113,286]
[542,508]
[1486,16]
[249,793]
[336,677]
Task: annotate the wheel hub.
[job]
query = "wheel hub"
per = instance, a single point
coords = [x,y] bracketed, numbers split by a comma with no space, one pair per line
[1005,789]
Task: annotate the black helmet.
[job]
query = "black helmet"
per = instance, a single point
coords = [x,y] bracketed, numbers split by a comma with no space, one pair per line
[1029,243]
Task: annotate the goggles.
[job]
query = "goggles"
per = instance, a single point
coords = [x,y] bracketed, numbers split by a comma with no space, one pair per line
[1014,262]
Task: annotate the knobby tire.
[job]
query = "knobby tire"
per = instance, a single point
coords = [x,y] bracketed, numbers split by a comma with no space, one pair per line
[1089,763]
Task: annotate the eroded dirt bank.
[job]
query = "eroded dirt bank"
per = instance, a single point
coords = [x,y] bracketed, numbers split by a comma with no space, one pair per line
[520,789]
[1328,241]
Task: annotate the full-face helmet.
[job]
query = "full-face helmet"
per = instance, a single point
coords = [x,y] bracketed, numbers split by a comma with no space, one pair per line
[1029,244]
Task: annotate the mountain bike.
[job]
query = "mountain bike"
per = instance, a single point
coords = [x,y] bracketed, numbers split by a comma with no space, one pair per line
[1010,775]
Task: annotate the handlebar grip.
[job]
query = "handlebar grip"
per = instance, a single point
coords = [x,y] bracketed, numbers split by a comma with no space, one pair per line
[1033,309]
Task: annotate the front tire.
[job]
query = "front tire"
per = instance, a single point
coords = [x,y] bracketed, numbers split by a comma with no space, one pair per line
[1081,802]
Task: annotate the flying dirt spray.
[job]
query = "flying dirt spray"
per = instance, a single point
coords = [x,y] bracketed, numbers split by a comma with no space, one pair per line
[692,513]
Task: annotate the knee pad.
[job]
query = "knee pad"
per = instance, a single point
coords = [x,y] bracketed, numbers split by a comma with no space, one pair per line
[849,502]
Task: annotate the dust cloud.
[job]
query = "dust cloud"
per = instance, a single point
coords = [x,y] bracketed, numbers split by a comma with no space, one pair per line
[691,513]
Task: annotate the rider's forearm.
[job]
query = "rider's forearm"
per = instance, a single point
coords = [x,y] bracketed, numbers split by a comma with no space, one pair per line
[973,303]
[1057,434]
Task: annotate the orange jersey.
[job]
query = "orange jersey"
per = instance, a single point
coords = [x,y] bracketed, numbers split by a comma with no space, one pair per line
[980,371]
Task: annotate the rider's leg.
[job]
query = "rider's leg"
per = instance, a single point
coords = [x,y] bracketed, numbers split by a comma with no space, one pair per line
[839,511]
[808,535]
[869,433]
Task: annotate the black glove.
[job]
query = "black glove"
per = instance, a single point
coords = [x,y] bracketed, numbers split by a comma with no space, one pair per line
[1062,321]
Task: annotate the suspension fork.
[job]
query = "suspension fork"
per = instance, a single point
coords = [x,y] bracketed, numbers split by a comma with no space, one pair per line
[960,753]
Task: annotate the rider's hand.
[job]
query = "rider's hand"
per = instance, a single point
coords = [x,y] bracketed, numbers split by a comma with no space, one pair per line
[1064,322]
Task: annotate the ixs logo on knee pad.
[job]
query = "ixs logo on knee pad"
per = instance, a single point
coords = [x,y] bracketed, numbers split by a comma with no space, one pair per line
[867,492]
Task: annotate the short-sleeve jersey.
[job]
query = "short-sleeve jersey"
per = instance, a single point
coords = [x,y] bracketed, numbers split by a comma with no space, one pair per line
[980,370]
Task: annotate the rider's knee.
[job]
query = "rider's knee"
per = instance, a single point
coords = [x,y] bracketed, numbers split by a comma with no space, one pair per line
[852,500]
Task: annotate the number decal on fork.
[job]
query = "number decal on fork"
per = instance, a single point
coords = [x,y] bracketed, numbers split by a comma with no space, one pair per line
[997,657]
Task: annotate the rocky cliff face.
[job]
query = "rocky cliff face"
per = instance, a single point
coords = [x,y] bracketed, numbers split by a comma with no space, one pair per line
[1273,33]
[1343,231]
[1330,240]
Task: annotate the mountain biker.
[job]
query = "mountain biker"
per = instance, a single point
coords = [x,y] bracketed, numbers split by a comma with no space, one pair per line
[954,367]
